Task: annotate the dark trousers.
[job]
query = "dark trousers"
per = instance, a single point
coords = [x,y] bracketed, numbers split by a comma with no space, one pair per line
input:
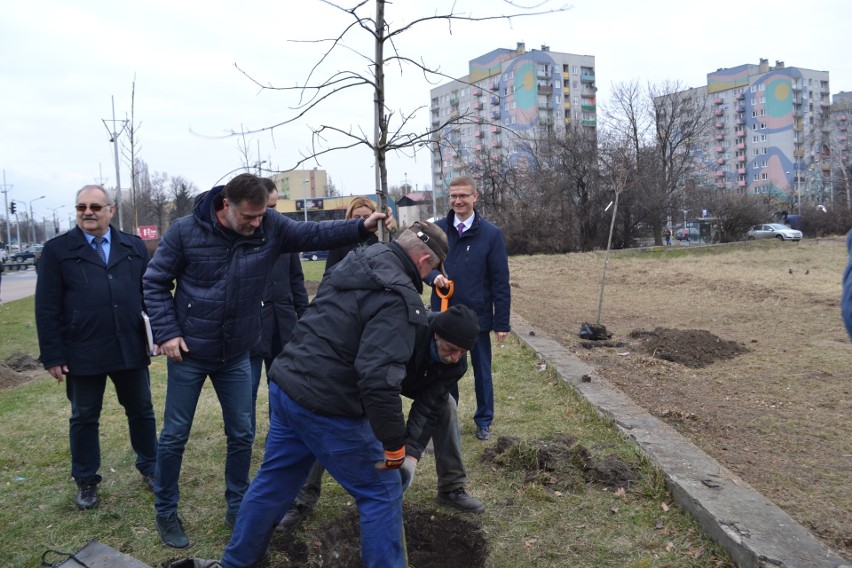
[86,393]
[480,360]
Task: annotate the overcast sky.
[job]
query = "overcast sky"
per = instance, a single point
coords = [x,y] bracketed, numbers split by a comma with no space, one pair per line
[61,62]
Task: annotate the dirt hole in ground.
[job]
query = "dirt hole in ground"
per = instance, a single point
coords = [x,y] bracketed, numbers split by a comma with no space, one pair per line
[18,368]
[433,540]
[561,464]
[688,347]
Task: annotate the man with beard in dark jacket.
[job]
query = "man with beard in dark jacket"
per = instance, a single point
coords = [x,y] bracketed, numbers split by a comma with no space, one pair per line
[438,363]
[218,260]
[335,395]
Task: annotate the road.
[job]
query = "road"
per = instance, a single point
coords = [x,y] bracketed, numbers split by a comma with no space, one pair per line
[17,284]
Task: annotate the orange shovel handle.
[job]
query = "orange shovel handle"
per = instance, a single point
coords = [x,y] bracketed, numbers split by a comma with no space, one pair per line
[445,296]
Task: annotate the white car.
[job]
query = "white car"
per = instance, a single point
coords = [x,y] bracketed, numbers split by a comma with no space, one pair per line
[774,231]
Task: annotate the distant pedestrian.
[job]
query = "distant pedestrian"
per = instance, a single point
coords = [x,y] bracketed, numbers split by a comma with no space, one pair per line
[668,235]
[88,307]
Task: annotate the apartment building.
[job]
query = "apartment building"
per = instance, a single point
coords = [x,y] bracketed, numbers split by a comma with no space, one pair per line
[508,97]
[770,131]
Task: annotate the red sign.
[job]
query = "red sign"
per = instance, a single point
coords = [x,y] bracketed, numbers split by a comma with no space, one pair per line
[148,232]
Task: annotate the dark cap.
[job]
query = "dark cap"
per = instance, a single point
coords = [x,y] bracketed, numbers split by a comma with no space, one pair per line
[459,325]
[435,238]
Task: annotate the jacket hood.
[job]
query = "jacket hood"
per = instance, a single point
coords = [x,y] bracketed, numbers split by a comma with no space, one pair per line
[205,204]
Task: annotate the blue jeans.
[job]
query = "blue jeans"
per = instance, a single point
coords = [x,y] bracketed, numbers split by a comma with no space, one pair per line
[86,394]
[480,360]
[257,363]
[349,450]
[232,383]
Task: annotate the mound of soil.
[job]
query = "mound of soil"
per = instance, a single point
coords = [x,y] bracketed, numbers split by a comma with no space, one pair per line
[433,540]
[688,347]
[562,464]
[17,369]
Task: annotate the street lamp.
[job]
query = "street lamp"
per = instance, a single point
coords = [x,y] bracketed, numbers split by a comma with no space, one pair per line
[32,225]
[305,204]
[55,220]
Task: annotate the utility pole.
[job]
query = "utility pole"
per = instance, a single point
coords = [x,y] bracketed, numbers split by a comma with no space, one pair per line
[114,134]
[5,190]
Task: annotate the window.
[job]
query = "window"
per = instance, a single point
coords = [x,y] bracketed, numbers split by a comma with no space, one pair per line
[763,150]
[762,100]
[574,70]
[754,177]
[763,137]
[753,114]
[755,152]
[761,87]
[762,127]
[755,138]
[754,166]
[764,176]
[763,163]
[754,88]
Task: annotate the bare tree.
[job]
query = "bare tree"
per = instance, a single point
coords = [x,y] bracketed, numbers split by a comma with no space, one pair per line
[392,131]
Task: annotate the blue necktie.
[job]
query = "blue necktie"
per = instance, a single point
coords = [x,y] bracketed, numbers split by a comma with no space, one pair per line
[99,248]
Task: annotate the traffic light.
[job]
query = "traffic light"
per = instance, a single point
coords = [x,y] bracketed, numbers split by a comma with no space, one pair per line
[12,208]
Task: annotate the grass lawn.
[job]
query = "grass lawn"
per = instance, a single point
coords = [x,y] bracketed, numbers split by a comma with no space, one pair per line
[526,523]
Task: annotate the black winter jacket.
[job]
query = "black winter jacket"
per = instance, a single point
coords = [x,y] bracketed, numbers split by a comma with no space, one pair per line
[283,302]
[348,352]
[427,382]
[219,276]
[89,315]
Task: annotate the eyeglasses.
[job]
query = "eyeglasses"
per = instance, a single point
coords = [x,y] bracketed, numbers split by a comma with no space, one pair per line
[95,207]
[457,196]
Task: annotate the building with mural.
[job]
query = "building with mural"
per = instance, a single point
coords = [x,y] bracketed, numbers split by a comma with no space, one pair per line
[301,184]
[770,131]
[507,97]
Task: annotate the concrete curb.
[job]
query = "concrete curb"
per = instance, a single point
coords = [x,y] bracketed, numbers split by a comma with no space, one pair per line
[754,531]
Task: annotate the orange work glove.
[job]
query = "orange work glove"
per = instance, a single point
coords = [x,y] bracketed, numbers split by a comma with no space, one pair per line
[393,459]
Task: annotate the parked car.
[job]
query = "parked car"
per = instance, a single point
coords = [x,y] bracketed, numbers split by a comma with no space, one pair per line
[314,255]
[29,254]
[687,234]
[774,231]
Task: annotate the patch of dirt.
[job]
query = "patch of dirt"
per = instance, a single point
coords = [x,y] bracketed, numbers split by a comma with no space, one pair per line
[311,286]
[433,540]
[694,348]
[17,369]
[747,355]
[561,465]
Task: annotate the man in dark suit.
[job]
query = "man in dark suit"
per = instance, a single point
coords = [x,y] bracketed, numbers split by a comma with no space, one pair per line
[88,308]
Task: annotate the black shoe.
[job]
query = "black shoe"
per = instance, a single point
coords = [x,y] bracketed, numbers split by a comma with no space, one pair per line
[294,517]
[230,520]
[460,499]
[171,531]
[87,495]
[482,432]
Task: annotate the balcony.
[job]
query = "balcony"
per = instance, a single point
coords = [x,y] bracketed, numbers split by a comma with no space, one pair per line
[495,114]
[590,108]
[740,133]
[454,114]
[841,126]
[495,129]
[718,101]
[720,137]
[476,91]
[478,133]
[545,89]
[542,72]
[589,122]
[799,153]
[454,101]
[842,117]
[843,138]
[720,161]
[495,101]
[720,185]
[590,94]
[720,173]
[478,147]
[495,144]
[741,159]
[797,125]
[741,121]
[587,77]
[741,146]
[797,114]
[718,112]
[740,108]
[476,105]
[719,149]
[796,87]
[741,171]
[719,124]
[826,166]
[741,184]
[741,96]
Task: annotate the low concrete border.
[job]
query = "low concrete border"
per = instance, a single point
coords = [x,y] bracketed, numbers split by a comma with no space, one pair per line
[754,531]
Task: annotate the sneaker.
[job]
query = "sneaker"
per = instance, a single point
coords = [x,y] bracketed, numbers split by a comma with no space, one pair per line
[171,531]
[294,516]
[460,499]
[482,432]
[87,495]
[230,520]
